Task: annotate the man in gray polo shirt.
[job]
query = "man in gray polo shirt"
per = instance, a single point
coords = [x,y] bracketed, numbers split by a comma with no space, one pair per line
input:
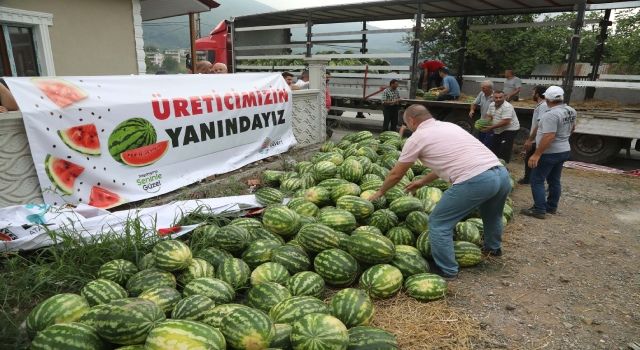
[552,150]
[512,86]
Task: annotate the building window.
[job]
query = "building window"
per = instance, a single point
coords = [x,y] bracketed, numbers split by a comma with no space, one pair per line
[19,51]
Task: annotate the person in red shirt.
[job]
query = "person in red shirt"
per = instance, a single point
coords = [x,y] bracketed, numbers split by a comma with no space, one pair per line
[430,70]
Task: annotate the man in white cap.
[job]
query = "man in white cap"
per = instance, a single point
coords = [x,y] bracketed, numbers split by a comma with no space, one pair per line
[552,150]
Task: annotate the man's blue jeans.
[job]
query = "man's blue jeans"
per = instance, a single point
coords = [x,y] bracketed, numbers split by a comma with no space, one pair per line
[487,191]
[550,169]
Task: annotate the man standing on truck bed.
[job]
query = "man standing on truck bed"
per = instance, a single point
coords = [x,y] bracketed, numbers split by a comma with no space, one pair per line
[512,86]
[450,89]
[430,72]
[390,106]
[552,150]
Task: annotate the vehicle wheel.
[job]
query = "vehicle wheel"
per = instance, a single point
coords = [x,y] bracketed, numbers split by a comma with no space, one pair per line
[594,148]
[521,136]
[464,122]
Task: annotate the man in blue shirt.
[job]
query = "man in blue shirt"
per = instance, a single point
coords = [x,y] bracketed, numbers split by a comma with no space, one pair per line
[450,89]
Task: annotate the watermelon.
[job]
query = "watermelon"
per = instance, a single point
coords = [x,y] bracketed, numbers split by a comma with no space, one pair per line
[417,222]
[423,245]
[304,167]
[401,235]
[248,329]
[481,124]
[343,144]
[370,177]
[439,183]
[360,136]
[387,135]
[62,173]
[82,138]
[118,270]
[267,195]
[192,308]
[394,193]
[319,332]
[367,152]
[306,283]
[171,255]
[232,238]
[327,146]
[68,336]
[269,272]
[281,221]
[370,229]
[150,278]
[166,298]
[384,148]
[388,161]
[507,212]
[291,184]
[371,248]
[315,238]
[128,321]
[379,203]
[318,195]
[426,287]
[235,272]
[131,134]
[102,291]
[259,252]
[303,207]
[184,334]
[351,170]
[467,254]
[198,268]
[271,177]
[344,189]
[353,307]
[292,257]
[409,261]
[250,224]
[290,175]
[213,317]
[428,205]
[59,91]
[282,337]
[331,183]
[214,255]
[359,207]
[145,155]
[338,219]
[307,181]
[468,232]
[379,170]
[102,198]
[146,262]
[371,338]
[477,222]
[265,295]
[219,291]
[403,206]
[324,170]
[383,219]
[294,308]
[337,267]
[60,308]
[381,281]
[262,233]
[432,193]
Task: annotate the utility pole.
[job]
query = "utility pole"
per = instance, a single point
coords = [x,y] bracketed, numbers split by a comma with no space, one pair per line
[567,82]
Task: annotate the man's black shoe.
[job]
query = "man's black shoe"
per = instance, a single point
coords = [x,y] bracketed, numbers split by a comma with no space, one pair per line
[446,276]
[552,211]
[532,213]
[490,252]
[523,182]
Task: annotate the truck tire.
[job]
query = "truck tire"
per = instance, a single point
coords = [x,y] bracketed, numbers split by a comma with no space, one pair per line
[521,136]
[595,149]
[461,120]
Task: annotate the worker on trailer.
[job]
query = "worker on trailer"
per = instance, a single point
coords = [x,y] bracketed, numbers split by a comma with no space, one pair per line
[219,68]
[482,102]
[390,106]
[450,89]
[430,72]
[512,86]
[203,67]
[288,77]
[478,178]
[303,82]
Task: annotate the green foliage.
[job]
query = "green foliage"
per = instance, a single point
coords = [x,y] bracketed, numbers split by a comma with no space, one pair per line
[170,65]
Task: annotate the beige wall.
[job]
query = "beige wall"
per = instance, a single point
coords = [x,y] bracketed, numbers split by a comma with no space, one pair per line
[88,37]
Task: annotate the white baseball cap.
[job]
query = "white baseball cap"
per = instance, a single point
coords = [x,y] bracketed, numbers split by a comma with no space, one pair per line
[554,93]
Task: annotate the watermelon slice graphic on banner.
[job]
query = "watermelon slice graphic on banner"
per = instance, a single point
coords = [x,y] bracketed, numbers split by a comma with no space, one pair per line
[59,91]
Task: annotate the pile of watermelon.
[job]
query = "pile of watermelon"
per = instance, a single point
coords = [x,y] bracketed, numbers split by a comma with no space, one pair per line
[261,283]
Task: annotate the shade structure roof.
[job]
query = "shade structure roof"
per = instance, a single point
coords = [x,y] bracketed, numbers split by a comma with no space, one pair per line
[156,9]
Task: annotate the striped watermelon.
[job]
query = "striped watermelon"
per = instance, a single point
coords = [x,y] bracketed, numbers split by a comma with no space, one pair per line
[131,347]
[214,255]
[371,248]
[351,170]
[185,334]
[294,308]
[150,278]
[213,317]
[370,229]
[282,337]
[250,224]
[388,135]
[371,184]
[118,270]
[327,146]
[441,184]
[371,338]
[336,267]
[384,149]
[418,167]
[262,233]
[219,291]
[343,239]
[324,170]
[146,262]
[128,321]
[423,245]
[281,221]
[267,195]
[344,143]
[353,307]
[477,222]
[394,193]
[344,189]
[467,253]
[369,177]
[338,219]
[102,291]
[426,287]
[291,184]
[307,181]
[306,283]
[271,177]
[166,298]
[319,332]
[381,281]
[232,238]
[290,175]
[60,308]
[388,161]
[379,170]
[468,232]
[315,238]
[360,136]
[131,134]
[292,257]
[432,193]
[205,233]
[248,329]
[171,255]
[265,295]
[507,212]
[417,221]
[303,167]
[192,308]
[318,195]
[331,183]
[405,205]
[304,220]
[303,207]
[270,272]
[198,268]
[401,235]
[367,152]
[90,317]
[383,219]
[428,205]
[379,203]
[359,207]
[235,272]
[68,336]
[409,261]
[259,252]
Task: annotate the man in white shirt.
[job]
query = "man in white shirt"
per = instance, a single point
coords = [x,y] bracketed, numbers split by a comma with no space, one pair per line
[483,101]
[303,82]
[505,126]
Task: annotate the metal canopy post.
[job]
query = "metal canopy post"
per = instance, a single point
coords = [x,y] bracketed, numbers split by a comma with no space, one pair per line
[597,56]
[416,51]
[192,40]
[363,49]
[309,37]
[567,81]
[232,33]
[462,53]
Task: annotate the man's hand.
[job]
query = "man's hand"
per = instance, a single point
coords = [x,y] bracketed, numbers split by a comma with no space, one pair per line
[3,109]
[533,160]
[487,128]
[413,186]
[471,113]
[376,196]
[527,145]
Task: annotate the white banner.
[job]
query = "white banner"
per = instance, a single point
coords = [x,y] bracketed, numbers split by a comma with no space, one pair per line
[109,140]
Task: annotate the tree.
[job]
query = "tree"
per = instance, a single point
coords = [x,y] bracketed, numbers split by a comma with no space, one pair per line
[169,64]
[151,67]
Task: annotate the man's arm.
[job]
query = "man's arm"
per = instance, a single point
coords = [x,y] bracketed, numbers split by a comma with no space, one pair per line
[394,176]
[415,184]
[7,99]
[546,141]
